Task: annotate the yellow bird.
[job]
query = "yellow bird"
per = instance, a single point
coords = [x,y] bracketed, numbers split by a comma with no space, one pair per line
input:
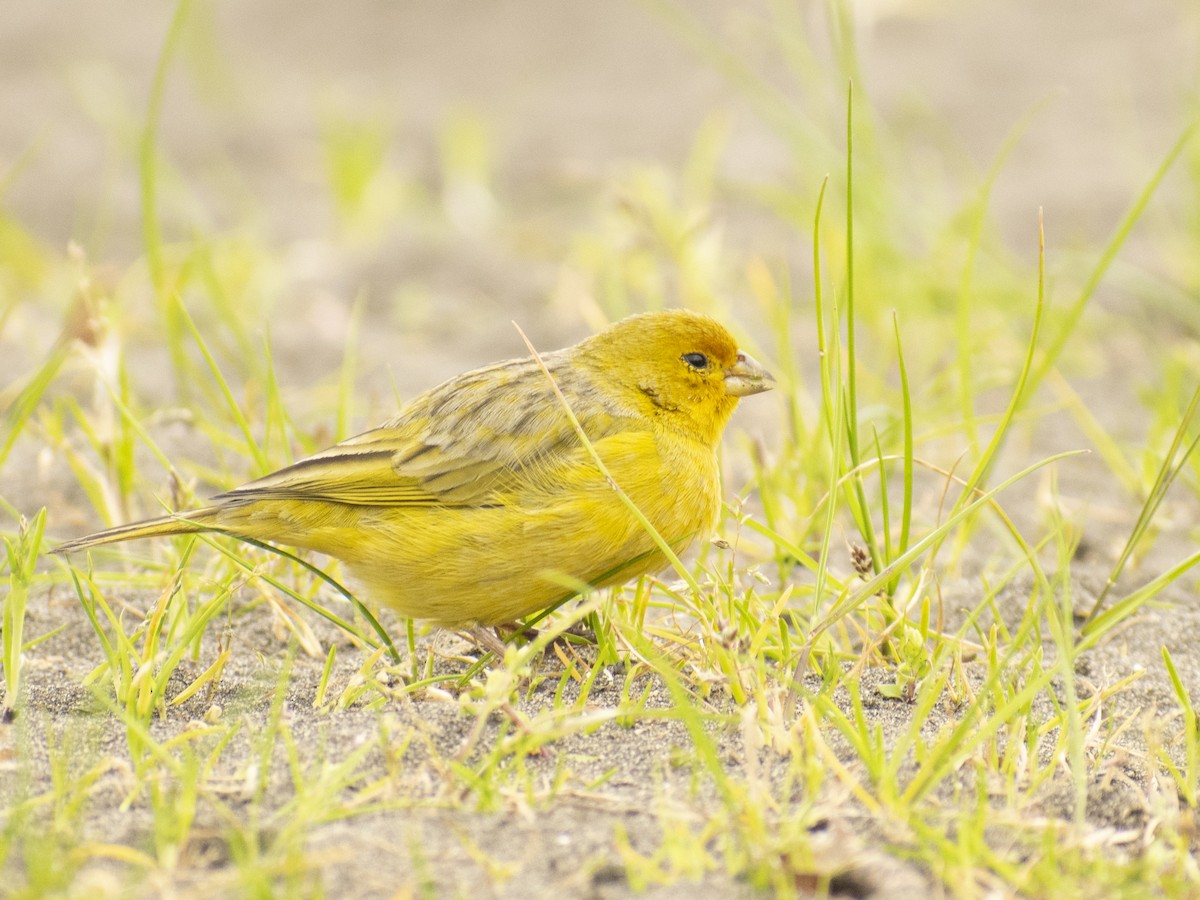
[467,508]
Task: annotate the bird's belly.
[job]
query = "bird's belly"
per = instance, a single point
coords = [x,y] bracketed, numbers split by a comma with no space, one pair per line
[491,565]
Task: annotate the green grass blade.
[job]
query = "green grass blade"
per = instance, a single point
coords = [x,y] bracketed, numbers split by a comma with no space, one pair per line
[148,178]
[929,543]
[906,405]
[1056,344]
[261,463]
[1167,473]
[315,607]
[17,415]
[983,466]
[22,560]
[963,319]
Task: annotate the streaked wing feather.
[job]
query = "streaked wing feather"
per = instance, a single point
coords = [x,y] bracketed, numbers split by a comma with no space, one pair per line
[455,445]
[357,478]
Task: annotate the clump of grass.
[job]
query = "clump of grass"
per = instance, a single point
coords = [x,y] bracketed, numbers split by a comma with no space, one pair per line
[22,554]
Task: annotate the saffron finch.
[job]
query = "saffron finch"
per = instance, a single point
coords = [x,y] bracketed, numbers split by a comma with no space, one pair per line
[467,508]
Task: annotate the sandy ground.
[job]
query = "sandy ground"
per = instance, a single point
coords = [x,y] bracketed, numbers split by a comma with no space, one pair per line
[572,93]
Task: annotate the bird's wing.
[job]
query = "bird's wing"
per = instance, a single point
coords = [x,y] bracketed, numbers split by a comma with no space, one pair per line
[456,445]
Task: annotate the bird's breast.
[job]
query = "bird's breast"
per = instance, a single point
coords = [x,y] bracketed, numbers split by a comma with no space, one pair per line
[674,482]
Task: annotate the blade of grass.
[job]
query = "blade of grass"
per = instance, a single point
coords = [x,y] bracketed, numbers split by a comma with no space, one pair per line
[1020,391]
[929,543]
[859,507]
[1095,629]
[1098,435]
[1060,618]
[261,463]
[148,177]
[22,560]
[1186,780]
[345,404]
[1167,473]
[1056,344]
[828,333]
[906,503]
[17,414]
[275,417]
[978,217]
[315,607]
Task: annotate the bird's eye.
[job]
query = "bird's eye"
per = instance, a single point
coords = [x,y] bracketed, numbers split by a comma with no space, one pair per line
[696,360]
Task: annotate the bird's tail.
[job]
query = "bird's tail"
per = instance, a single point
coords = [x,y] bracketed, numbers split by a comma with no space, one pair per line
[188,522]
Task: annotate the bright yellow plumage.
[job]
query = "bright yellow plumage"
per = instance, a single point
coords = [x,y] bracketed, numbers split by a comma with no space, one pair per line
[462,509]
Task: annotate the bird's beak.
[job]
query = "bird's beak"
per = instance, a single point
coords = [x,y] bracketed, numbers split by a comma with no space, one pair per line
[747,376]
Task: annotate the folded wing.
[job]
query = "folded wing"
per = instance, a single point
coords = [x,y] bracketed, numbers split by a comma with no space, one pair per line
[460,444]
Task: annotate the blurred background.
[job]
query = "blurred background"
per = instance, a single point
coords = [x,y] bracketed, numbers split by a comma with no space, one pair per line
[564,93]
[446,168]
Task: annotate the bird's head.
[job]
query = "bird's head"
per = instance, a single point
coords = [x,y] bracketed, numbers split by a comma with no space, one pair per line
[679,367]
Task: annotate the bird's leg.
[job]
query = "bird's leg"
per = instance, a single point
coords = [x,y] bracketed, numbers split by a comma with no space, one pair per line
[485,638]
[529,633]
[507,629]
[496,639]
